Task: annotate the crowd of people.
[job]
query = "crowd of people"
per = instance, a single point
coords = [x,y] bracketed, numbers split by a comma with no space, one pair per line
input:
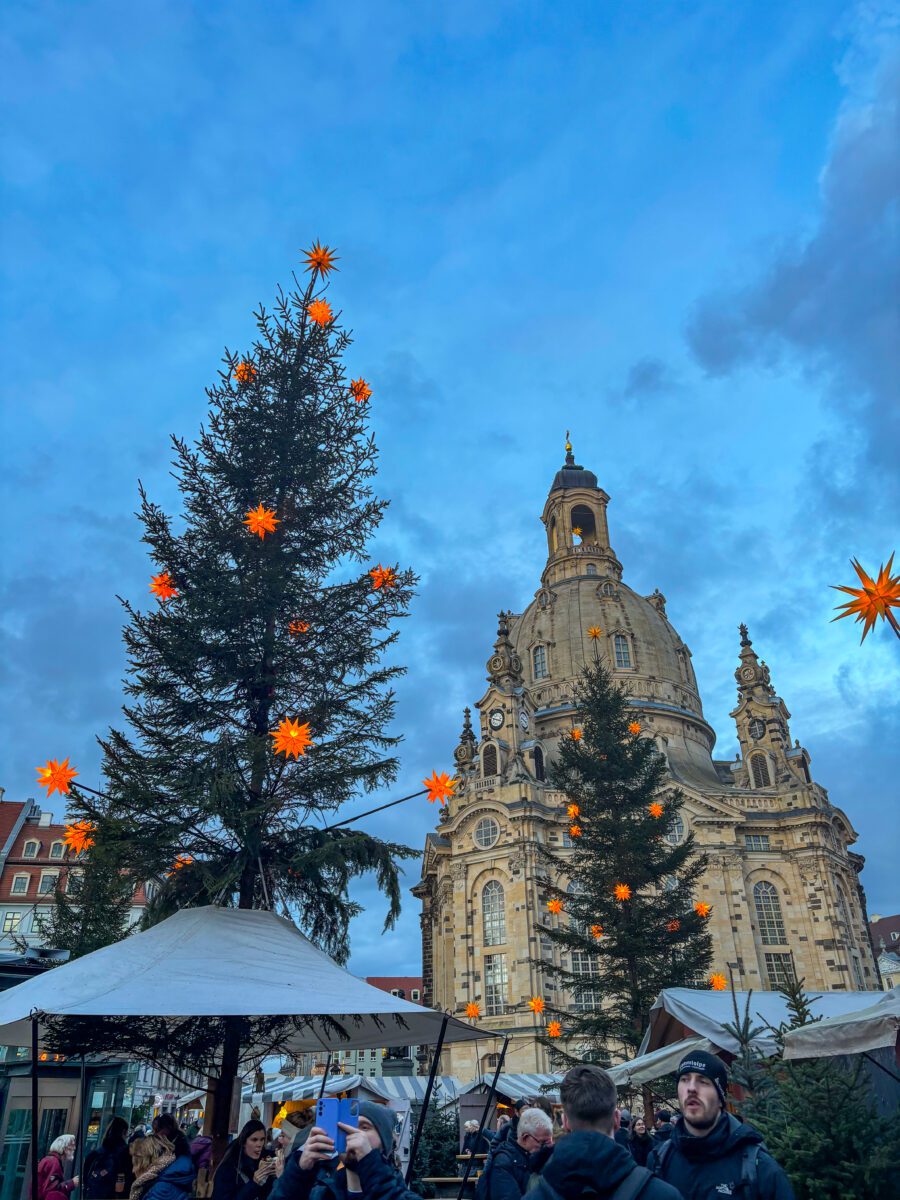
[598,1150]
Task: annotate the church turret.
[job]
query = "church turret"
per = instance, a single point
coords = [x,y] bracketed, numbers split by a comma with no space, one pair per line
[504,666]
[574,518]
[762,720]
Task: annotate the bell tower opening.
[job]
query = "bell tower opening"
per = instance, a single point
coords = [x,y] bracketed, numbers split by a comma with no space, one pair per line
[583,524]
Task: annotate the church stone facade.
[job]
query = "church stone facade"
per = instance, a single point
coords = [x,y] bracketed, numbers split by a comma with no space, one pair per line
[782,880]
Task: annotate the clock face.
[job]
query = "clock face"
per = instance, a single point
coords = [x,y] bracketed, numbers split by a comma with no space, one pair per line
[496,718]
[757,729]
[523,719]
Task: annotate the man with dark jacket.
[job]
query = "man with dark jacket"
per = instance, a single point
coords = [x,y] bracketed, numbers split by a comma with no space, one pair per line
[662,1125]
[589,1159]
[710,1153]
[511,1164]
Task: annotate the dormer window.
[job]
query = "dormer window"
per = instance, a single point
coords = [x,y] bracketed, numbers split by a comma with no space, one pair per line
[56,850]
[608,589]
[30,850]
[539,663]
[622,652]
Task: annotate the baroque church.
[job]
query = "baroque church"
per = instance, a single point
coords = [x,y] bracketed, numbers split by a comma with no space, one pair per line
[782,880]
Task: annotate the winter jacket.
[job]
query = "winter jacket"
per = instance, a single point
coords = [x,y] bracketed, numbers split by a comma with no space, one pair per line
[707,1168]
[379,1179]
[508,1173]
[474,1144]
[201,1152]
[664,1132]
[176,1182]
[52,1183]
[640,1148]
[589,1161]
[622,1138]
[234,1181]
[102,1169]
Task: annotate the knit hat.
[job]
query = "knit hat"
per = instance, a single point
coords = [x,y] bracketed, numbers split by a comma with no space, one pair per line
[706,1064]
[382,1118]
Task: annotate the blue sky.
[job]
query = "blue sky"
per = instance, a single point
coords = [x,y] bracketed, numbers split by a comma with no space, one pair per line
[669,227]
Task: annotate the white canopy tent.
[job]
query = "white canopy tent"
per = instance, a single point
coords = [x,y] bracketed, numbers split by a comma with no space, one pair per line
[655,1064]
[873,1027]
[221,962]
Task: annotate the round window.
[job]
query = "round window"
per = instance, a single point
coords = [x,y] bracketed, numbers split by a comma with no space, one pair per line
[757,729]
[676,833]
[487,831]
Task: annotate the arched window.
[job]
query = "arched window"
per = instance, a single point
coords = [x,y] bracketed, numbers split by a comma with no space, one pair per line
[539,662]
[768,914]
[583,519]
[56,849]
[608,589]
[538,764]
[30,850]
[493,913]
[590,569]
[623,652]
[760,769]
[486,834]
[489,761]
[676,833]
[843,909]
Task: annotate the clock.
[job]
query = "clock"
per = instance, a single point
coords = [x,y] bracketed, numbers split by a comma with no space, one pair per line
[523,719]
[496,718]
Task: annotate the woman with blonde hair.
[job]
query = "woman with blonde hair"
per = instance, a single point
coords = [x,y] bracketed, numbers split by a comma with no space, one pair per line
[149,1156]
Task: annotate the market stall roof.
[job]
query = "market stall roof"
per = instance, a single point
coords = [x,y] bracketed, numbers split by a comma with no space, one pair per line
[221,962]
[678,1013]
[412,1087]
[865,1028]
[655,1064]
[300,1087]
[520,1087]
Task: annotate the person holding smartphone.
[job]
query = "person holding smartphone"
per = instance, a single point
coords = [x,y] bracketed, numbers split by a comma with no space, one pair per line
[247,1170]
[365,1171]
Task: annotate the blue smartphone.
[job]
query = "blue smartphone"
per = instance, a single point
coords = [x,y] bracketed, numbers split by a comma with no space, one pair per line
[329,1111]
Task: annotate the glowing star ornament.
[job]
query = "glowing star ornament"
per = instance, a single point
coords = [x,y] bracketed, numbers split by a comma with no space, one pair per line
[554,1029]
[440,787]
[702,910]
[718,982]
[577,531]
[320,312]
[79,837]
[244,371]
[656,809]
[261,520]
[576,735]
[360,390]
[874,600]
[595,632]
[162,588]
[635,728]
[320,258]
[574,831]
[291,738]
[473,1010]
[181,861]
[383,578]
[296,628]
[573,811]
[536,1004]
[597,933]
[554,906]
[56,776]
[674,926]
[622,892]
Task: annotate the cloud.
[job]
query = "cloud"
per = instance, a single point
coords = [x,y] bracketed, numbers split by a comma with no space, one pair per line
[647,377]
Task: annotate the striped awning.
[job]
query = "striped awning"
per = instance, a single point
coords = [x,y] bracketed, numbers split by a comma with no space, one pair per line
[302,1087]
[412,1087]
[520,1087]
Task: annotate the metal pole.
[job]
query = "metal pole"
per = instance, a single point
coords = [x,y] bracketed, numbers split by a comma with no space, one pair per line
[487,1108]
[424,1113]
[34,1107]
[82,1126]
[325,1075]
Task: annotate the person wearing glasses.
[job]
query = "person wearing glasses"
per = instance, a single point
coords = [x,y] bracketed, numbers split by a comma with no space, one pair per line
[514,1162]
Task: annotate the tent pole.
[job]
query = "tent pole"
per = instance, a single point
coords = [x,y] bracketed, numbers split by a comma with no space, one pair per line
[424,1113]
[34,1105]
[325,1075]
[880,1066]
[82,1124]
[484,1114]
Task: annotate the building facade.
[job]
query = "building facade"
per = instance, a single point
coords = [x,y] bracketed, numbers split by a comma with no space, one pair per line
[782,879]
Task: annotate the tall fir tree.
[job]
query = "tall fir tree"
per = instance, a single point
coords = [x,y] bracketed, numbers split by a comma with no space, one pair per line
[621,906]
[258,687]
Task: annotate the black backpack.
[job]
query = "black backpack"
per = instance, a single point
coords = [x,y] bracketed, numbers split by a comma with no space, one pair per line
[629,1189]
[482,1188]
[748,1165]
[99,1175]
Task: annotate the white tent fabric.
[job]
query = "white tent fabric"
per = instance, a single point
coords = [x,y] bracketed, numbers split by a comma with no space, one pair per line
[681,1012]
[519,1087]
[301,1087]
[227,962]
[864,1029]
[412,1087]
[656,1063]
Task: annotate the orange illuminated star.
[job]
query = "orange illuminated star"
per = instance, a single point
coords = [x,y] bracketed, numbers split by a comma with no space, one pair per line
[595,632]
[320,258]
[297,627]
[383,577]
[440,787]
[635,728]
[320,312]
[554,1029]
[701,909]
[181,861]
[161,587]
[576,735]
[261,520]
[718,982]
[554,905]
[473,1010]
[244,371]
[673,926]
[573,811]
[656,809]
[597,932]
[874,599]
[291,738]
[577,531]
[536,1004]
[79,837]
[360,390]
[56,776]
[574,831]
[622,891]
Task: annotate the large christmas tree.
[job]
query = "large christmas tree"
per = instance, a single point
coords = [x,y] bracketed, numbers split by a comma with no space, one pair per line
[259,695]
[621,905]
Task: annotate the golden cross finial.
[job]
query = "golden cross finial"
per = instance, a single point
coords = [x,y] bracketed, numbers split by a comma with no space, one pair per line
[568,443]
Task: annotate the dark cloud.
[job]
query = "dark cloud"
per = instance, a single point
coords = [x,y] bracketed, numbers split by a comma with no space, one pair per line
[646,378]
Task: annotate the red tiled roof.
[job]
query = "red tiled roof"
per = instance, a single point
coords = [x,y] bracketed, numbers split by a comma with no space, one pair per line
[882,930]
[10,811]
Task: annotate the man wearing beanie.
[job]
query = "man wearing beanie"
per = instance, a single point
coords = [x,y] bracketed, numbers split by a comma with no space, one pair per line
[365,1171]
[711,1153]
